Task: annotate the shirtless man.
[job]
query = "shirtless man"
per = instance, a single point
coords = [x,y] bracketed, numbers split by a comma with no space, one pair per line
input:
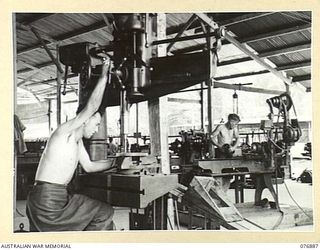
[226,137]
[49,205]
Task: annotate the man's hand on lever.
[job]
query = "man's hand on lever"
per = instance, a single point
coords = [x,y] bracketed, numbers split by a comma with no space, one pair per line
[106,66]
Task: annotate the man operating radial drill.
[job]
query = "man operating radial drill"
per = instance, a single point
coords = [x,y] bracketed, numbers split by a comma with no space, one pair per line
[50,207]
[226,138]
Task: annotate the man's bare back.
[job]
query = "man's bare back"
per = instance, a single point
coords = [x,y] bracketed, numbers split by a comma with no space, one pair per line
[65,148]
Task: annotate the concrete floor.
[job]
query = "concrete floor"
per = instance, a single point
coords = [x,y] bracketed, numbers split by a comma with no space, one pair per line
[302,193]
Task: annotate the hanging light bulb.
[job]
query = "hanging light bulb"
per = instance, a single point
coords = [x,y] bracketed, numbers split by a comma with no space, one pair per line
[235,95]
[235,102]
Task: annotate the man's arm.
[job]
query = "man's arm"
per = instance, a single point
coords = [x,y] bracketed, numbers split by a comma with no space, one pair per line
[214,136]
[93,103]
[237,139]
[92,166]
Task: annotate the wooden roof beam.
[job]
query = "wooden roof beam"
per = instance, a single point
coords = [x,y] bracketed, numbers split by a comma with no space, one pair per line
[270,53]
[241,47]
[293,66]
[50,80]
[101,24]
[244,18]
[253,38]
[44,91]
[42,42]
[43,34]
[235,87]
[278,69]
[37,68]
[35,18]
[276,33]
[227,22]
[31,92]
[183,100]
[301,78]
[54,93]
[69,35]
[286,50]
[28,78]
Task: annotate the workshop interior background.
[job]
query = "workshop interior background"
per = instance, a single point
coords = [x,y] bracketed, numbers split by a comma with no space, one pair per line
[47,92]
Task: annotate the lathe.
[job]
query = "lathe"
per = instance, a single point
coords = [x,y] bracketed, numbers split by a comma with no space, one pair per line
[262,161]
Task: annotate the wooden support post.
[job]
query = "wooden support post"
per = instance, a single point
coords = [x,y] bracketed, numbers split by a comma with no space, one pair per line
[202,106]
[49,115]
[158,120]
[209,96]
[158,123]
[59,84]
[14,108]
[212,64]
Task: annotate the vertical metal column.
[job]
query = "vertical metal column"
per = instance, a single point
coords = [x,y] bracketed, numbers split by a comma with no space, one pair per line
[137,123]
[236,189]
[124,121]
[288,154]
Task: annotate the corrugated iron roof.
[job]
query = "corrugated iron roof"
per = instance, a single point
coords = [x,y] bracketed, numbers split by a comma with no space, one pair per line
[281,38]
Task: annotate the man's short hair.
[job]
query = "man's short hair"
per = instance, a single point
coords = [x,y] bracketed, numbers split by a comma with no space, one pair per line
[233,117]
[101,110]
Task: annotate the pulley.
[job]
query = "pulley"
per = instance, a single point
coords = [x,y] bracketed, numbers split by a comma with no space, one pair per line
[278,100]
[291,134]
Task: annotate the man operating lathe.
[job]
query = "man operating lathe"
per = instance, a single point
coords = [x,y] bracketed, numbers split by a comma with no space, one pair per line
[226,138]
[49,205]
